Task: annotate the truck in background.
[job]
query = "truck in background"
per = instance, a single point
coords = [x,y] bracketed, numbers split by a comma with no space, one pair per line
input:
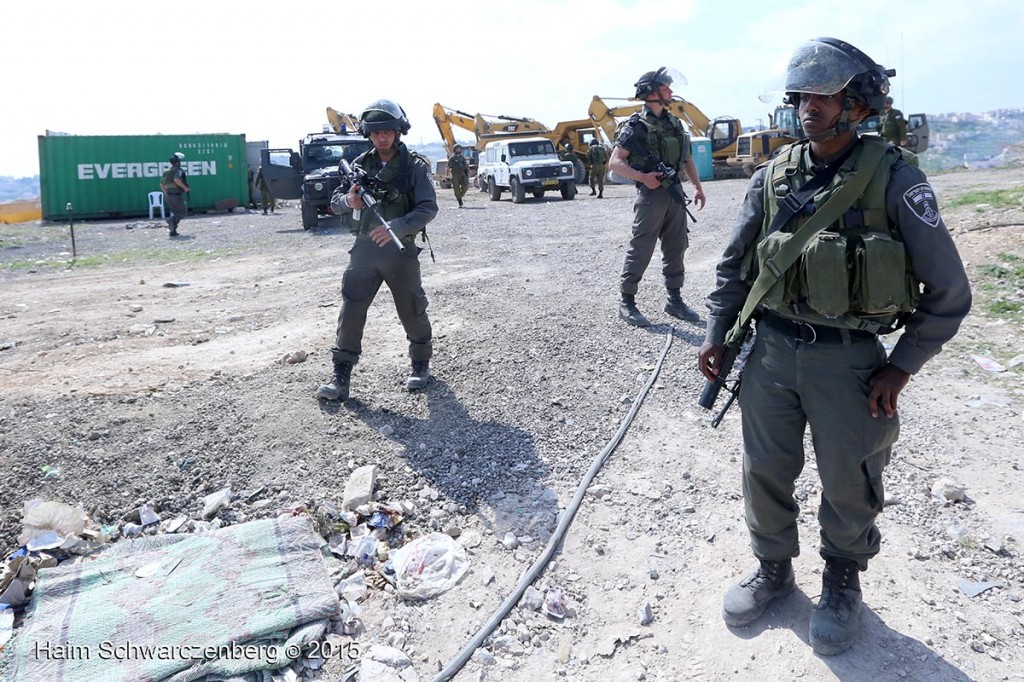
[311,173]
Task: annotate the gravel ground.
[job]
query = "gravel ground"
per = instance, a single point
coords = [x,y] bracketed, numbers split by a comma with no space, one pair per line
[139,392]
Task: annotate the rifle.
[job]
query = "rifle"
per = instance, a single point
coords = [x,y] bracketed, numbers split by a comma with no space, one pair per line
[361,181]
[670,181]
[712,388]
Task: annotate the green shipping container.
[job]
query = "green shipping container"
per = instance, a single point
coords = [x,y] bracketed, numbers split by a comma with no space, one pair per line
[111,176]
[700,149]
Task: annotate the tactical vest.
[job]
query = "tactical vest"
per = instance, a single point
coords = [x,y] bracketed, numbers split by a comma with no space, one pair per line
[395,193]
[666,138]
[597,155]
[458,164]
[856,273]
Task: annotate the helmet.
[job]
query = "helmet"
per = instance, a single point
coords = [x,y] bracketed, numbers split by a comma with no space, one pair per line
[888,100]
[176,157]
[457,148]
[825,66]
[383,114]
[652,80]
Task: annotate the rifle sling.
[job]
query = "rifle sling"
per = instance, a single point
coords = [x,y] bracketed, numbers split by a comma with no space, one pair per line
[827,214]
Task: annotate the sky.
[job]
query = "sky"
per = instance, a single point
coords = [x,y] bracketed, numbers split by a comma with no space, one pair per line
[270,70]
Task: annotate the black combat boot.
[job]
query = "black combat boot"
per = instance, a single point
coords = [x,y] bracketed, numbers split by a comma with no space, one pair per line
[630,314]
[338,388]
[836,618]
[593,191]
[675,307]
[748,599]
[600,195]
[419,377]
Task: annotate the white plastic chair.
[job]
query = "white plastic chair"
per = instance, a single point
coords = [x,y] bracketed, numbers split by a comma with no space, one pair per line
[156,200]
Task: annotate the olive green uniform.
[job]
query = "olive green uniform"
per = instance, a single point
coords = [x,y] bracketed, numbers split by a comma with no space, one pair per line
[266,198]
[815,372]
[597,156]
[893,127]
[174,197]
[649,139]
[408,202]
[458,166]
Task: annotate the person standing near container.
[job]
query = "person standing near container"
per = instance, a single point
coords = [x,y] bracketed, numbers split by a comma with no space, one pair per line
[648,138]
[175,188]
[458,167]
[839,239]
[400,181]
[266,198]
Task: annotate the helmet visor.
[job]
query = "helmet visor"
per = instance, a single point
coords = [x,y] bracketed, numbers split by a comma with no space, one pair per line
[815,68]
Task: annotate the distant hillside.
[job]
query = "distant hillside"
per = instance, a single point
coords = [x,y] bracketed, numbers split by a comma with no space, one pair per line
[977,140]
[16,189]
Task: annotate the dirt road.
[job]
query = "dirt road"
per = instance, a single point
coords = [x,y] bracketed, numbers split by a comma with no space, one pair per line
[138,391]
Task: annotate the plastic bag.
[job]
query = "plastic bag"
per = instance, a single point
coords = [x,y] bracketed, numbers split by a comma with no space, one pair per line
[41,516]
[428,566]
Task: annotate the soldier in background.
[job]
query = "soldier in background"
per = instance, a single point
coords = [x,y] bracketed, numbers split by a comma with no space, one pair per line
[266,198]
[597,155]
[893,127]
[458,167]
[651,136]
[175,187]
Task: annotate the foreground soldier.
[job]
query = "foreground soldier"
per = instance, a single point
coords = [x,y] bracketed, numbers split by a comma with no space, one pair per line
[403,187]
[175,187]
[651,136]
[885,258]
[458,167]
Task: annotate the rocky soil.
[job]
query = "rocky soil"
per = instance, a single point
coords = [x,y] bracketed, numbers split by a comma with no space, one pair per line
[132,392]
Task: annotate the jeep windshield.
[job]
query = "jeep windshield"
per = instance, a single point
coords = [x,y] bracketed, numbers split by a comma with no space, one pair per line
[535,148]
[323,155]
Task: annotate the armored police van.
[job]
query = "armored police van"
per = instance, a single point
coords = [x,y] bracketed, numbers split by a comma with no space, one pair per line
[311,174]
[524,164]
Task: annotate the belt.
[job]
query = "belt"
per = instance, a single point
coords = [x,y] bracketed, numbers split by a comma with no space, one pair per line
[175,194]
[814,333]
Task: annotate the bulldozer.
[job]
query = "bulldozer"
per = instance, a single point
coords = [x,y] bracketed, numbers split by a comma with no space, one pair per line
[723,131]
[755,148]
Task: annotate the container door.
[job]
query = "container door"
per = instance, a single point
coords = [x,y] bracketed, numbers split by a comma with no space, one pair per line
[282,169]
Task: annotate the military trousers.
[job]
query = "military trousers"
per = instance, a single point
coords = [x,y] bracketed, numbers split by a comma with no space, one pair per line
[597,174]
[267,199]
[788,385]
[370,265]
[655,216]
[177,210]
[460,183]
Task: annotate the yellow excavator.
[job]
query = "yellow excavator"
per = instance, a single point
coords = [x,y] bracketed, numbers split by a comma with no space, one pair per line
[723,131]
[342,124]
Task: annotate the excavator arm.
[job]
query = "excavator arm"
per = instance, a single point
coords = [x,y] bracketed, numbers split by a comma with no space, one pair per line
[342,123]
[447,118]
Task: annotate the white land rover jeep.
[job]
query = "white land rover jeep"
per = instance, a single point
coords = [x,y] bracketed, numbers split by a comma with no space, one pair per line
[524,164]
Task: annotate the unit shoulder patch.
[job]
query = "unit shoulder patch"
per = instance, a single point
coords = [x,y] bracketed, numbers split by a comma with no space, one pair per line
[921,200]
